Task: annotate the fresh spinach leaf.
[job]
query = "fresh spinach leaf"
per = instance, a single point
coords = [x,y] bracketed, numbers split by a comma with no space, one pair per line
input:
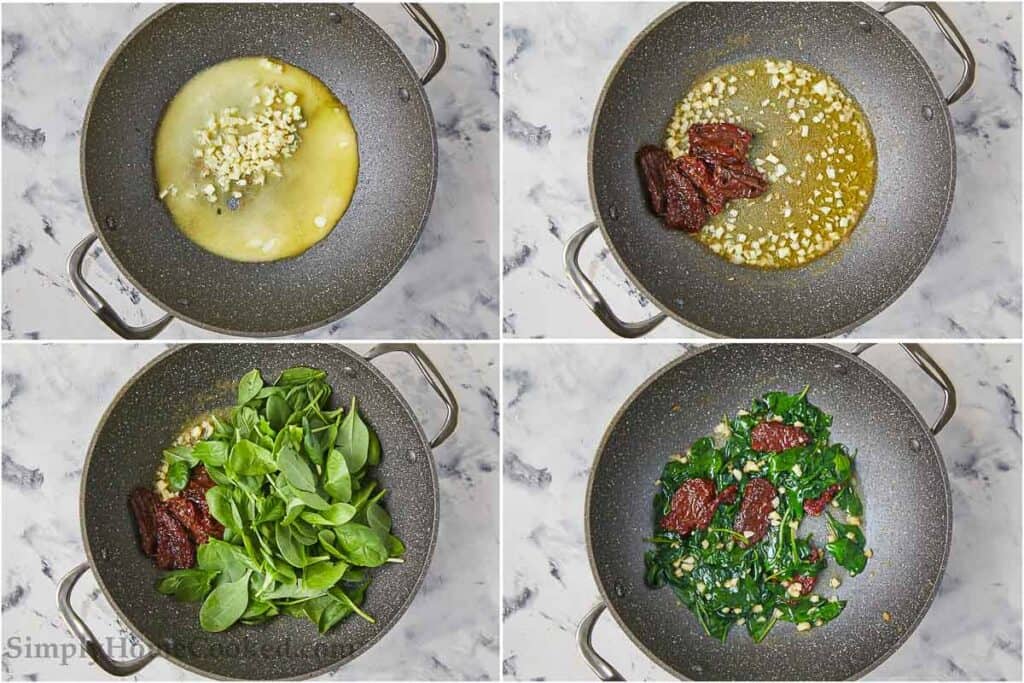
[361,545]
[337,481]
[378,518]
[335,515]
[249,386]
[225,605]
[248,458]
[354,439]
[187,585]
[278,412]
[177,475]
[298,376]
[211,453]
[323,575]
[296,469]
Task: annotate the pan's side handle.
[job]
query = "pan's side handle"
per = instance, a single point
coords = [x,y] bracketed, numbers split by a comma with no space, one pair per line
[425,22]
[598,664]
[84,634]
[937,375]
[952,35]
[593,298]
[434,379]
[98,305]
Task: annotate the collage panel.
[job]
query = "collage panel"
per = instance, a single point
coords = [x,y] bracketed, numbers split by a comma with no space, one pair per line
[414,254]
[594,518]
[84,427]
[929,128]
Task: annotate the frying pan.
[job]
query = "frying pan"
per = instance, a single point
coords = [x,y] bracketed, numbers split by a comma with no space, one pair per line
[901,479]
[361,65]
[916,164]
[146,415]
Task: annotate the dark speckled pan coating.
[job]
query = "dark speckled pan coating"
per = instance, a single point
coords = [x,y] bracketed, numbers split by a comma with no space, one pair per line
[902,480]
[147,415]
[397,164]
[896,236]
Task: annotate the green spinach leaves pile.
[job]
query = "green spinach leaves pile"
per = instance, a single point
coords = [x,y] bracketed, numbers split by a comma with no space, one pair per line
[713,572]
[303,518]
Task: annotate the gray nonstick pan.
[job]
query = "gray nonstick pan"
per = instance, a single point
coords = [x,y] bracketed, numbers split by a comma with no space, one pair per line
[361,65]
[143,419]
[900,477]
[916,167]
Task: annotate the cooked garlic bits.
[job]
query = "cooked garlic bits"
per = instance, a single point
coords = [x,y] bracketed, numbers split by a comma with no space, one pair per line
[256,159]
[811,141]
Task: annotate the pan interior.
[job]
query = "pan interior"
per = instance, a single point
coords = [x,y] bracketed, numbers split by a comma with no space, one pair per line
[901,480]
[895,236]
[361,66]
[126,450]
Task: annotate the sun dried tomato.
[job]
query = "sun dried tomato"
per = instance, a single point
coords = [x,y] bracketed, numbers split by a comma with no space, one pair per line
[806,583]
[195,492]
[684,191]
[694,504]
[684,207]
[728,494]
[755,506]
[702,179]
[653,162]
[814,506]
[725,141]
[201,478]
[773,437]
[738,180]
[174,550]
[200,526]
[143,502]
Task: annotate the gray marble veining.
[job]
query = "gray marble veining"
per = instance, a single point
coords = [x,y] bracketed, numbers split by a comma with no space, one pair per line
[53,396]
[556,59]
[559,399]
[52,55]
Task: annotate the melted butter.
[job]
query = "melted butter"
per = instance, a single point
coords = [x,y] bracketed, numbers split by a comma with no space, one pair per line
[287,215]
[805,125]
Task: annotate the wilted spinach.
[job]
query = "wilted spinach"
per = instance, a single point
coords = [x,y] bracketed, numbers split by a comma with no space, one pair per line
[302,516]
[712,572]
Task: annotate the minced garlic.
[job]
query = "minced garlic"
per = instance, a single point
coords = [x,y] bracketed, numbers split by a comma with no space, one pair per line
[239,151]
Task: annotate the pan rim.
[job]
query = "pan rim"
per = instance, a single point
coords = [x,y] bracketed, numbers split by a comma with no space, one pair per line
[607,599]
[369,643]
[897,292]
[305,327]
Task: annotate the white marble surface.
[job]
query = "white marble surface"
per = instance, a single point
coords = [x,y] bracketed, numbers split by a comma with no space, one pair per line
[556,59]
[973,629]
[53,396]
[52,55]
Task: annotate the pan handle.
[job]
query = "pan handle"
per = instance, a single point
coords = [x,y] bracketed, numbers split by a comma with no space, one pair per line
[937,375]
[425,22]
[434,379]
[84,634]
[98,305]
[952,36]
[598,664]
[593,298]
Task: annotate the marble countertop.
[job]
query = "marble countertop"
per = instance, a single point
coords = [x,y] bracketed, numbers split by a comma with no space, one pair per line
[53,397]
[52,55]
[973,629]
[556,59]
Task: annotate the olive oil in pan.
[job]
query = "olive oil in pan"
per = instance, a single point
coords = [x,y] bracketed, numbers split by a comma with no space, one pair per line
[301,188]
[811,141]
